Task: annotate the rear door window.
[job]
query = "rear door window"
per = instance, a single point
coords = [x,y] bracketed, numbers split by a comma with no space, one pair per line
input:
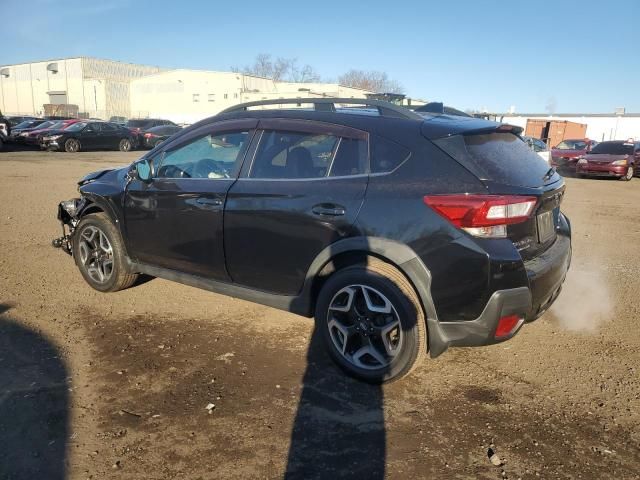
[303,155]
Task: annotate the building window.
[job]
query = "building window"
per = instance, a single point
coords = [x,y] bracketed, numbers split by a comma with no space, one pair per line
[212,97]
[196,97]
[235,95]
[226,96]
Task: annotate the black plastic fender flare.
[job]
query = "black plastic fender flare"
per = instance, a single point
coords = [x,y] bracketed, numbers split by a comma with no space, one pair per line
[396,253]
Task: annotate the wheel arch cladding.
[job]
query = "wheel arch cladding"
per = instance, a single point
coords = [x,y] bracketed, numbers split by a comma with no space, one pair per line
[98,204]
[356,250]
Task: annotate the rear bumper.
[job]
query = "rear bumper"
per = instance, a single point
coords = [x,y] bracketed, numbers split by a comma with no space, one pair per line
[545,276]
[482,330]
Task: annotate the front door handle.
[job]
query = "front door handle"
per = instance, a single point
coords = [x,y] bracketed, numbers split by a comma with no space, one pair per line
[329,209]
[211,202]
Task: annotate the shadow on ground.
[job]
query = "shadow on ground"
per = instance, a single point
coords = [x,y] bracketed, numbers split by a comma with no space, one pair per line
[34,404]
[339,429]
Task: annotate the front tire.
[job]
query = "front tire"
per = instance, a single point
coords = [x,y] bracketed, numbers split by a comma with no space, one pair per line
[124,145]
[72,145]
[629,175]
[371,322]
[99,254]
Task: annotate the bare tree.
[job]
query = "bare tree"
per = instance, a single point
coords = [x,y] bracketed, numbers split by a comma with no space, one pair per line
[372,80]
[280,69]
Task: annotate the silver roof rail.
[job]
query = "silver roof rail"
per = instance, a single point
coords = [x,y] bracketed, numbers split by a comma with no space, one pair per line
[385,109]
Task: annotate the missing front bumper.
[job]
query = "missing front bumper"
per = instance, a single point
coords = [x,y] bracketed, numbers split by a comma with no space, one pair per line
[67,211]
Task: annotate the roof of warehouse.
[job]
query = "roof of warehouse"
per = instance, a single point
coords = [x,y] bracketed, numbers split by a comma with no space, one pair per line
[563,115]
[73,58]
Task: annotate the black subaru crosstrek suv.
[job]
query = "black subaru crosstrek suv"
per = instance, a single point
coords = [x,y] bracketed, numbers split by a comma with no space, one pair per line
[401,233]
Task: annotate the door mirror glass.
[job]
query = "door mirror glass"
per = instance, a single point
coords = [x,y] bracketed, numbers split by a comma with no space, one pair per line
[143,171]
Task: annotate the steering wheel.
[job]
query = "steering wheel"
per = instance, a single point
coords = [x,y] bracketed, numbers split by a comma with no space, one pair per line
[171,171]
[208,168]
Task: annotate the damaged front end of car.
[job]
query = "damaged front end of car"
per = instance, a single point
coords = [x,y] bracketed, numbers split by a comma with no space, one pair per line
[70,211]
[68,216]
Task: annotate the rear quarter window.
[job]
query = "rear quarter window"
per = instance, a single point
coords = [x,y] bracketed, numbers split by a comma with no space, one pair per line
[387,155]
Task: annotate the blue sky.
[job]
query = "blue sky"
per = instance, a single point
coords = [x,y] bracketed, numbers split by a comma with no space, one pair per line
[563,56]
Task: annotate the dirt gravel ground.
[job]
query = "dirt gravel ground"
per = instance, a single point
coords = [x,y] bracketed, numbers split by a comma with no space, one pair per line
[116,385]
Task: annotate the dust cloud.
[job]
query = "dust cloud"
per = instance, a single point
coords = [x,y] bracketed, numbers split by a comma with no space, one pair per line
[585,302]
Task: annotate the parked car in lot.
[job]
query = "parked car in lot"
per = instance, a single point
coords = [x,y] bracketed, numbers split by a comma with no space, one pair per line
[27,124]
[568,151]
[89,136]
[139,125]
[17,119]
[402,233]
[618,159]
[119,120]
[20,132]
[34,137]
[539,147]
[156,135]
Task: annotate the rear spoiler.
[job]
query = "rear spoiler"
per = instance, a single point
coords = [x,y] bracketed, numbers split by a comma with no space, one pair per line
[440,126]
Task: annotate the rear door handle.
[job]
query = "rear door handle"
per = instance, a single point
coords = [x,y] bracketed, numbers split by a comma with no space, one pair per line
[329,209]
[212,202]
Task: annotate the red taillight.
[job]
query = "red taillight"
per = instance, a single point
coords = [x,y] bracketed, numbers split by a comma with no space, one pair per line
[506,325]
[483,215]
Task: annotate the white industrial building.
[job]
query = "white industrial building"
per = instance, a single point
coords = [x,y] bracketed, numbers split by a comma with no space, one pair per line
[96,88]
[99,88]
[600,126]
[186,96]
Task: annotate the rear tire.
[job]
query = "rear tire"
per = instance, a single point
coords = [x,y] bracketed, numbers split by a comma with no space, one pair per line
[99,254]
[124,145]
[72,145]
[371,322]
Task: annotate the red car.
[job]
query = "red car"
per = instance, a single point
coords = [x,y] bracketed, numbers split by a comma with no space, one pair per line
[34,137]
[568,151]
[611,159]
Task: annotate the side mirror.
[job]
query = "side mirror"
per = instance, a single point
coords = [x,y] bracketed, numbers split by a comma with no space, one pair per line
[143,171]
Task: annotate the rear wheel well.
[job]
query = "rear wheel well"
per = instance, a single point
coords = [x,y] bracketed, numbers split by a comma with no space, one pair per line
[341,261]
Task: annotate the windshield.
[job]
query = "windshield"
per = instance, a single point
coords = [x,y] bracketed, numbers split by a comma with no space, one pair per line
[613,148]
[572,145]
[76,127]
[46,125]
[25,124]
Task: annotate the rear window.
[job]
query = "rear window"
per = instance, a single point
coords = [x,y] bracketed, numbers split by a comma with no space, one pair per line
[613,148]
[500,157]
